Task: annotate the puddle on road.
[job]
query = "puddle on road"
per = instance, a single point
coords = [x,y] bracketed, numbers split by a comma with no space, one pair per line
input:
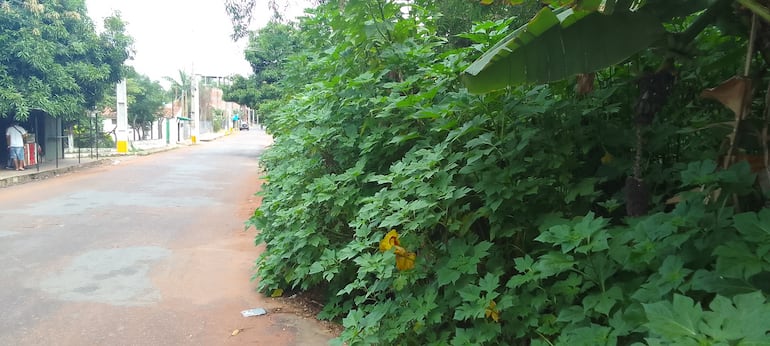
[112,276]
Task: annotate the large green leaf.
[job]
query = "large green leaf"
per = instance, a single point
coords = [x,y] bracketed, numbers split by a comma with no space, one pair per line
[674,321]
[555,46]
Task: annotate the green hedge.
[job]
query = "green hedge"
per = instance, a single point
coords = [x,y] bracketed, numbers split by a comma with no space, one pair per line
[512,203]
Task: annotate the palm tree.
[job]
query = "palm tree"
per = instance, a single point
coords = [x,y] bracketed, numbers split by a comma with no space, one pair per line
[181,89]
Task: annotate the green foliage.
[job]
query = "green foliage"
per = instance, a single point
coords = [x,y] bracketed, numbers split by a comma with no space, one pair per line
[267,53]
[145,100]
[87,134]
[53,59]
[218,117]
[243,90]
[180,90]
[240,13]
[582,37]
[740,321]
[460,16]
[511,201]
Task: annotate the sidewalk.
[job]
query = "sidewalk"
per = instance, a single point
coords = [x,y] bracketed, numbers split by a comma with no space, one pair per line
[71,162]
[46,170]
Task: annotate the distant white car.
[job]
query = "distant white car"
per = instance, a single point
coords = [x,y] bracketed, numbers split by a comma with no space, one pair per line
[244,126]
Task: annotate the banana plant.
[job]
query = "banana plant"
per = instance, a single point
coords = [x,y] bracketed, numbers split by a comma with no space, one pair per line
[583,36]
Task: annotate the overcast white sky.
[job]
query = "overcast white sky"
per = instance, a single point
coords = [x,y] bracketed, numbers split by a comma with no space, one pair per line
[173,35]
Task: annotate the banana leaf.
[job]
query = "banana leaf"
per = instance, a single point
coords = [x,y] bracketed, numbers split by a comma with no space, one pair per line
[592,35]
[554,46]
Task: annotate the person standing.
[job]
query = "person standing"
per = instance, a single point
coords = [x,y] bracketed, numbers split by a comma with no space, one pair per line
[14,136]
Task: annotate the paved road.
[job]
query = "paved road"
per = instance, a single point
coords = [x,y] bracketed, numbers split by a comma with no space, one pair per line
[148,251]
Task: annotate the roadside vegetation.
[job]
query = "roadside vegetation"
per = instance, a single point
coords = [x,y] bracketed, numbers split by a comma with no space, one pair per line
[611,195]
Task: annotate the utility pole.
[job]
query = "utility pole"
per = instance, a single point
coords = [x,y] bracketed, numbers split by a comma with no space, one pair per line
[195,108]
[121,133]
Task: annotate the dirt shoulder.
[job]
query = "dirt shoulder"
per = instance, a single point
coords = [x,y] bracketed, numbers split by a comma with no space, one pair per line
[214,273]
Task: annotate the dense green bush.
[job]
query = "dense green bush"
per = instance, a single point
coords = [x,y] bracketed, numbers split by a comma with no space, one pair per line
[512,202]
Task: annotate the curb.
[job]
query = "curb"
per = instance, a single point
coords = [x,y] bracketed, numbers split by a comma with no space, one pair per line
[152,151]
[21,179]
[137,152]
[211,138]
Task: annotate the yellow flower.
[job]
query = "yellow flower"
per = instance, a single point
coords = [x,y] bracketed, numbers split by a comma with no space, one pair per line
[491,312]
[390,240]
[404,259]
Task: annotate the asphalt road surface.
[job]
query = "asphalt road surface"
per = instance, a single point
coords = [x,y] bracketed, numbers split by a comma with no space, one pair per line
[147,250]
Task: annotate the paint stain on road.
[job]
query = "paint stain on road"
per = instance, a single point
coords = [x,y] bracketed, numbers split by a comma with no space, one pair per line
[110,276]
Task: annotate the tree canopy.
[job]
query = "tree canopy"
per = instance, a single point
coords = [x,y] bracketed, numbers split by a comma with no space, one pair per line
[268,52]
[145,100]
[54,61]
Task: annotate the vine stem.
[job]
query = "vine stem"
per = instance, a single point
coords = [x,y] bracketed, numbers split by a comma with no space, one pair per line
[752,38]
[764,136]
[544,338]
[746,94]
[638,158]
